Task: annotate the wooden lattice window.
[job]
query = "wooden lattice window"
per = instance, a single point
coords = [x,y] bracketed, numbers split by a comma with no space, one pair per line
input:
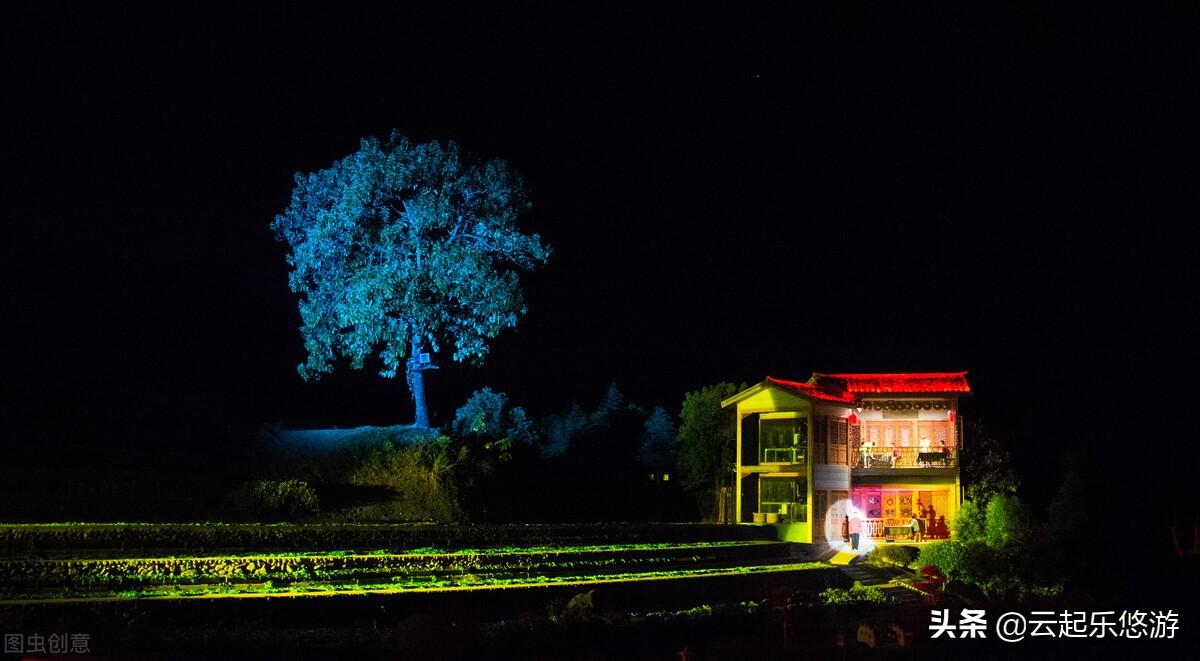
[820,430]
[937,431]
[839,438]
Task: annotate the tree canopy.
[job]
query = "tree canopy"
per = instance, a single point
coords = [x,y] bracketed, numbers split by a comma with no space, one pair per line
[489,415]
[658,439]
[705,452]
[987,471]
[402,248]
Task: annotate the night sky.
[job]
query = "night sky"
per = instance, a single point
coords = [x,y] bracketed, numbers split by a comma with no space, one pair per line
[729,194]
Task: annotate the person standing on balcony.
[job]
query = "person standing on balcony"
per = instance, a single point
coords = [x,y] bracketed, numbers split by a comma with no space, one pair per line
[855,531]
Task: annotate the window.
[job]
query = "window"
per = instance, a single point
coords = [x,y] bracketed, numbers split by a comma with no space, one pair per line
[889,433]
[787,496]
[821,454]
[837,432]
[842,432]
[937,431]
[782,439]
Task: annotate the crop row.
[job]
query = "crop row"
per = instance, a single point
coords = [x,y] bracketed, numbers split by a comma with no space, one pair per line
[405,582]
[19,540]
[115,572]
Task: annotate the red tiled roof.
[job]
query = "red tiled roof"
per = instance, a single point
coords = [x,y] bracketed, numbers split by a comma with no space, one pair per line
[813,391]
[910,383]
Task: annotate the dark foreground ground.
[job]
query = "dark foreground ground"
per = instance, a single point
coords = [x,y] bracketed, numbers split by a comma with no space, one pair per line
[744,618]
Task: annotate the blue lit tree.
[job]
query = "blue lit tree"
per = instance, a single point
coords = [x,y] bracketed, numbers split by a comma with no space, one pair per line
[658,440]
[404,249]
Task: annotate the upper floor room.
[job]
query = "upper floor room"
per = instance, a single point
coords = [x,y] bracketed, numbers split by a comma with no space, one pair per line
[867,422]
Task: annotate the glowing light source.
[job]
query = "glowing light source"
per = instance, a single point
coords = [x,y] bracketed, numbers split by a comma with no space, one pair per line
[951,415]
[853,419]
[833,527]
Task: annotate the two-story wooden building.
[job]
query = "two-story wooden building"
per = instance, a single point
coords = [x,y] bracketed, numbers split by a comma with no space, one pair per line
[881,448]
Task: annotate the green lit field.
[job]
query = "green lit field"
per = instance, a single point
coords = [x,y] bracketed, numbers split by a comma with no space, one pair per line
[380,588]
[131,561]
[338,571]
[72,539]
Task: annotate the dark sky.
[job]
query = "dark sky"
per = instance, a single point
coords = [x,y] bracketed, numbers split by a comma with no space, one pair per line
[729,194]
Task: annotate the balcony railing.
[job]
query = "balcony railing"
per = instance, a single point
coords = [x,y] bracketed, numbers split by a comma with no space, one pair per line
[900,529]
[872,528]
[868,456]
[785,455]
[789,512]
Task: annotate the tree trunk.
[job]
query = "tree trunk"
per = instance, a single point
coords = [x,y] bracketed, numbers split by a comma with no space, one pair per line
[416,385]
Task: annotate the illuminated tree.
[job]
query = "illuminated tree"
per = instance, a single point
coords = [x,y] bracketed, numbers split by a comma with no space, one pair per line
[970,523]
[705,452]
[488,415]
[658,439]
[1006,521]
[401,249]
[562,430]
[614,401]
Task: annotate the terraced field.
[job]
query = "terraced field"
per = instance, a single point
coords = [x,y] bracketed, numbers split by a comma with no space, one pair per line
[338,571]
[40,565]
[379,590]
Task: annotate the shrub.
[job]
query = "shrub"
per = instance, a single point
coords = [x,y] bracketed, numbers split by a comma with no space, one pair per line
[969,524]
[903,556]
[1006,521]
[1010,585]
[951,558]
[933,579]
[858,594]
[272,499]
[416,481]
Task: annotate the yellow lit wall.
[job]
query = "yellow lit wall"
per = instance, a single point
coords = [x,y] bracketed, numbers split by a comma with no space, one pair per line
[768,400]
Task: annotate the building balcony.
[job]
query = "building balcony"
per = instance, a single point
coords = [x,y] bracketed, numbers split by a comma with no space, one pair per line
[784,455]
[866,456]
[890,530]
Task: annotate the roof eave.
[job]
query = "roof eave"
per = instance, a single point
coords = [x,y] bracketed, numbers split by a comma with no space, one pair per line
[869,395]
[767,383]
[748,392]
